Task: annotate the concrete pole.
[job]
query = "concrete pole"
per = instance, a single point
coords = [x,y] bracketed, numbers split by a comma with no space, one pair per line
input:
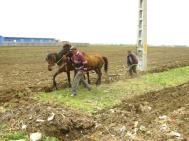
[142,35]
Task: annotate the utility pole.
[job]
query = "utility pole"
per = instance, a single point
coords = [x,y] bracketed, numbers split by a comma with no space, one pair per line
[142,35]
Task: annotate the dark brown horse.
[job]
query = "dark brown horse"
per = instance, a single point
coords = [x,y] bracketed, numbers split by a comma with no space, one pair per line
[94,62]
[56,58]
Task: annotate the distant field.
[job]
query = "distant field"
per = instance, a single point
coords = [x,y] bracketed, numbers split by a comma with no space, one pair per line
[25,67]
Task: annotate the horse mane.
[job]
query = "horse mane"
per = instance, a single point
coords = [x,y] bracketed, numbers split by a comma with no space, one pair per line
[57,55]
[50,54]
[61,53]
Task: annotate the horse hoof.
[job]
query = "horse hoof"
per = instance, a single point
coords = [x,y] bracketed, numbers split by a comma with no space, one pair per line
[97,84]
[54,88]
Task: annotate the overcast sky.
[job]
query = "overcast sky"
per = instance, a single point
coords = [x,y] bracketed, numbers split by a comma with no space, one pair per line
[95,21]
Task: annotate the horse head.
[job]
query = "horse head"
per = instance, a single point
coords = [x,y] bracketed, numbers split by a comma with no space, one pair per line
[66,49]
[51,60]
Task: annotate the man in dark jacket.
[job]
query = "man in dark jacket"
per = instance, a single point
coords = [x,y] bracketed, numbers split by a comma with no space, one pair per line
[132,62]
[80,67]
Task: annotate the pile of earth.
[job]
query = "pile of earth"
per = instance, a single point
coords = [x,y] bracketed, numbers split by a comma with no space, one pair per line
[52,120]
[161,115]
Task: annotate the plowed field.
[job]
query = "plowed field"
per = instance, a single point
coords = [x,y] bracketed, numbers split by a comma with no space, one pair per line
[161,115]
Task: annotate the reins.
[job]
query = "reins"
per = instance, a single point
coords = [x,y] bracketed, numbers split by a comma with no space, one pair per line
[59,60]
[64,64]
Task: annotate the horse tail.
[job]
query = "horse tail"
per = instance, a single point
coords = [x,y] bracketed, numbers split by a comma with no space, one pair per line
[106,63]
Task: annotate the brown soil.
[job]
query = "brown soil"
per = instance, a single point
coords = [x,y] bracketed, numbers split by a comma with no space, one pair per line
[24,72]
[66,124]
[152,116]
[25,69]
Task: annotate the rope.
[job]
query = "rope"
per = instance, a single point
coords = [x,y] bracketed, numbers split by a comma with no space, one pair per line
[59,60]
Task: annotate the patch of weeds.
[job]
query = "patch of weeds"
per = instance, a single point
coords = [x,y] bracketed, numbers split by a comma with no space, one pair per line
[16,136]
[3,126]
[19,95]
[47,138]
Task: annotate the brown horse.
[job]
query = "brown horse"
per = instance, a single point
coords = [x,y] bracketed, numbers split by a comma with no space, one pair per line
[94,62]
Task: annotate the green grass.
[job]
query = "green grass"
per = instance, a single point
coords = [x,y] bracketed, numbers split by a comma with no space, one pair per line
[2,126]
[108,95]
[169,78]
[16,136]
[47,138]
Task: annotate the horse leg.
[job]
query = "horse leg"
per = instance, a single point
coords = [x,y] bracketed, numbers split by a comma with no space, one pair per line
[100,75]
[97,75]
[54,76]
[54,81]
[68,76]
[98,72]
[88,78]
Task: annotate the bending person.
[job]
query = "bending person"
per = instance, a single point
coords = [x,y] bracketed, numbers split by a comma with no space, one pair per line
[80,67]
[132,63]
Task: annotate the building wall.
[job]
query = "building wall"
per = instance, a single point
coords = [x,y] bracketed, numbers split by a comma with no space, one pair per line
[1,39]
[19,41]
[28,40]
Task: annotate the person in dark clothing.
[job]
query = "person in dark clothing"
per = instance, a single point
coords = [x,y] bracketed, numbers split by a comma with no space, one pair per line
[132,63]
[80,67]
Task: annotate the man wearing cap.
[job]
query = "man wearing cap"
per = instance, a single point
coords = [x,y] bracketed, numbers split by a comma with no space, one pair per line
[132,63]
[80,67]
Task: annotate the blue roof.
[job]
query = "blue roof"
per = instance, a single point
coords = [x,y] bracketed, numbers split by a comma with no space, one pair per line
[28,38]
